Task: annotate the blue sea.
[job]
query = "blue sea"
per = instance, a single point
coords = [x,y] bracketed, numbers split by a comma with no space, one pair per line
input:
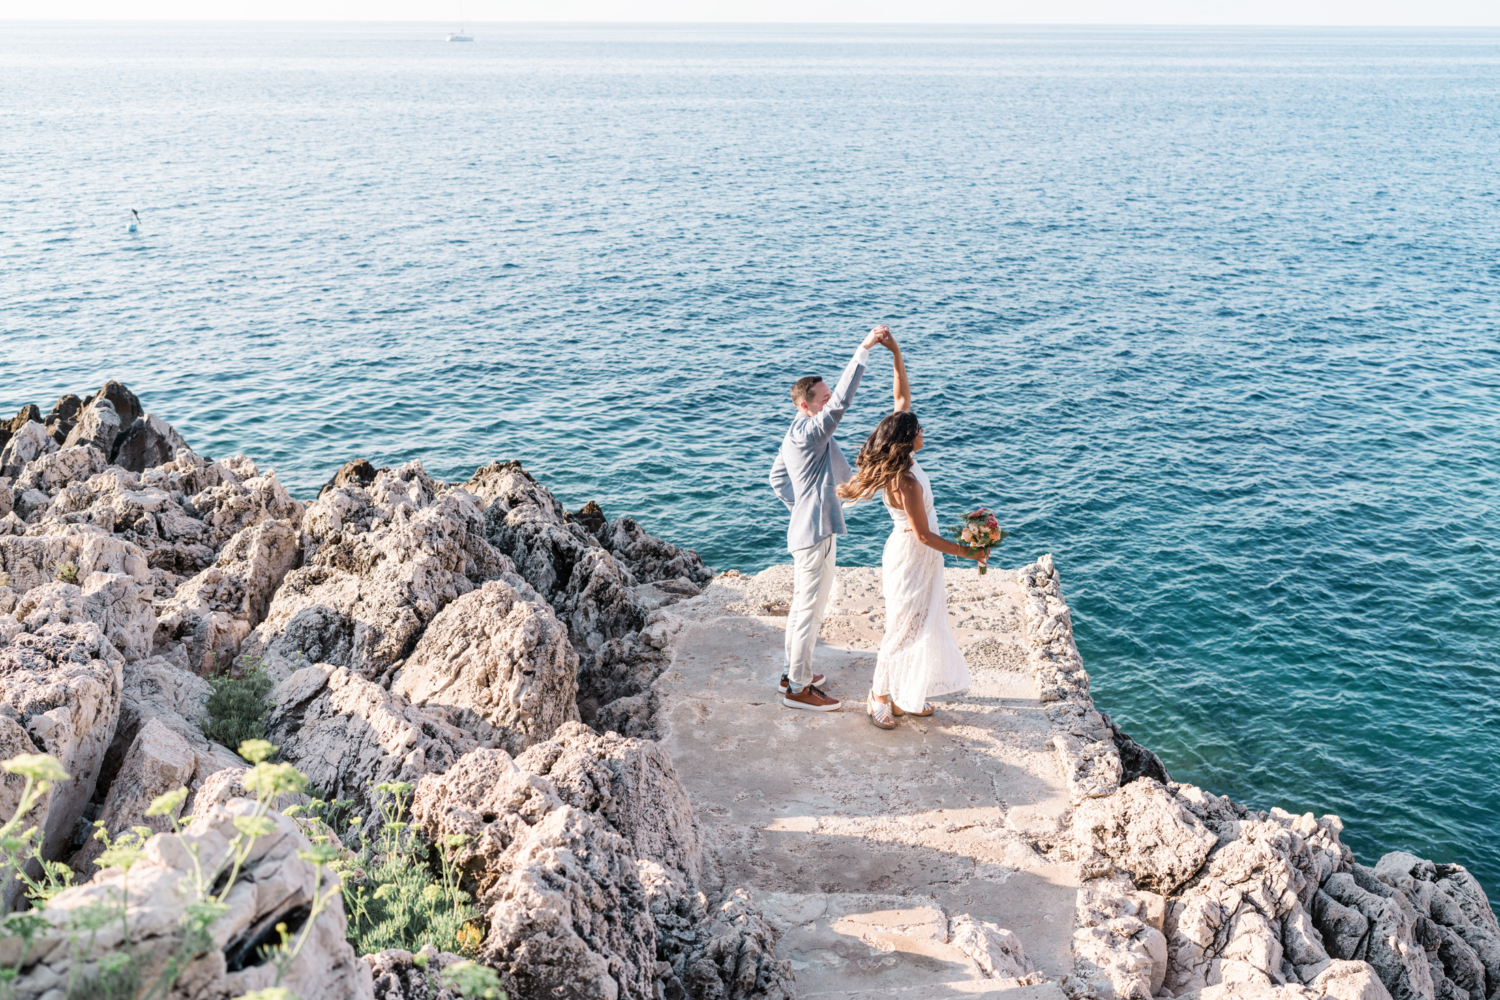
[1212,315]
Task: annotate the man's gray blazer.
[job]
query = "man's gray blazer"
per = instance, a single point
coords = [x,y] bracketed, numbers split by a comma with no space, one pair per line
[810,466]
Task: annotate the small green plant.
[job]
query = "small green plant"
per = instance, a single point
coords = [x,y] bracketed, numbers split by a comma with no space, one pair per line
[67,572]
[392,896]
[471,979]
[4,579]
[237,707]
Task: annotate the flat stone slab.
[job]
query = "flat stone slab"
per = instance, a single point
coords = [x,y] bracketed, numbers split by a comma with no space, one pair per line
[863,844]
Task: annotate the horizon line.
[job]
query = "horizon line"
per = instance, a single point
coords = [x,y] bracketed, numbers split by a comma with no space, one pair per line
[739,23]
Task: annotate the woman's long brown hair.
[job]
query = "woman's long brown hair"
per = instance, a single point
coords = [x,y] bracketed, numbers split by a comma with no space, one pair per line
[886,457]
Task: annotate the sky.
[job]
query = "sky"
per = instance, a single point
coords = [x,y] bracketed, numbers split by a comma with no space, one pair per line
[1258,12]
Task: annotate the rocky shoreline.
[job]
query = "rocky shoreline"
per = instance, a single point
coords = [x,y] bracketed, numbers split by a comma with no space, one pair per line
[499,653]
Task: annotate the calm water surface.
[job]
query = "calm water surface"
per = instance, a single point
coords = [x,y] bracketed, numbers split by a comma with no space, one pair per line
[1211,315]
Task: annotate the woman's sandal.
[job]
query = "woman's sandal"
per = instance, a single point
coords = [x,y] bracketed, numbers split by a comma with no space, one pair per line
[927,709]
[879,712]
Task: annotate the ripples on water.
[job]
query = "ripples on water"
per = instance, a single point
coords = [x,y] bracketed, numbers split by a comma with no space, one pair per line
[1211,315]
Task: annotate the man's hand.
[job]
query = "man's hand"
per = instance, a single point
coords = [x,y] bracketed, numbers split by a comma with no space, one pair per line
[879,335]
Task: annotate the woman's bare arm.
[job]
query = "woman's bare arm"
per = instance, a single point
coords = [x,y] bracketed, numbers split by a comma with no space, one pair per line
[903,388]
[910,496]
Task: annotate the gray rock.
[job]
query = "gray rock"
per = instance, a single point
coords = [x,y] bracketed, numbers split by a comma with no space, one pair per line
[97,427]
[630,784]
[348,734]
[501,666]
[60,684]
[145,443]
[63,416]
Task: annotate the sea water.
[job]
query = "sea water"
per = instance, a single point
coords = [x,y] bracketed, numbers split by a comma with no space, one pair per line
[1211,315]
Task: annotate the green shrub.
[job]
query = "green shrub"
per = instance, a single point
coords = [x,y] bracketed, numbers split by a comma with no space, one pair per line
[67,572]
[238,707]
[4,579]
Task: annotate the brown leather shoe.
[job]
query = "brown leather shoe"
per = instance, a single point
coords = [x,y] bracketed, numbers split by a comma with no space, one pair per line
[786,682]
[811,699]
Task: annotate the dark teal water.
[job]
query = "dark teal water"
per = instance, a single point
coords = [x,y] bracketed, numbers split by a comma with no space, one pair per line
[1211,315]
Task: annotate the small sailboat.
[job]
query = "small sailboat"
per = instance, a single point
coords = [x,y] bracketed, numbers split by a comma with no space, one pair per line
[462,34]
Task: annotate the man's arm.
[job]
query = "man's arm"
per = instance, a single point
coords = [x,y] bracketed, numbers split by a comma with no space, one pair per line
[827,421]
[781,482]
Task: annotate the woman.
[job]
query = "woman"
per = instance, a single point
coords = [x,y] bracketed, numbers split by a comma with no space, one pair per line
[919,657]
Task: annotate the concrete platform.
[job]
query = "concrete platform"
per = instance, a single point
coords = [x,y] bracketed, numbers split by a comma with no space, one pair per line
[863,844]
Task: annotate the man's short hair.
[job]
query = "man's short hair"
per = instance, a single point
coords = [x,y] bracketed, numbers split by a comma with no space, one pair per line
[802,389]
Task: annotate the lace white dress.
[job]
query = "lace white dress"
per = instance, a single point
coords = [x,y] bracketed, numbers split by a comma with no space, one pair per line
[919,658]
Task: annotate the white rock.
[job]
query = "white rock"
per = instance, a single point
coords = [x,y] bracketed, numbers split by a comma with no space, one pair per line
[1144,830]
[117,603]
[158,761]
[61,685]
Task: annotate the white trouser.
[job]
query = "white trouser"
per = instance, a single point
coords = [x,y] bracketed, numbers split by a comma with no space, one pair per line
[811,586]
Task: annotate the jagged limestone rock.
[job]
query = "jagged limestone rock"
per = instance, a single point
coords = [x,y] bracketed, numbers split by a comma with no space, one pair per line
[60,684]
[146,442]
[398,976]
[501,668]
[55,470]
[649,558]
[97,427]
[27,443]
[1118,941]
[348,734]
[1350,981]
[567,914]
[378,565]
[116,602]
[212,612]
[32,560]
[1145,830]
[629,783]
[158,761]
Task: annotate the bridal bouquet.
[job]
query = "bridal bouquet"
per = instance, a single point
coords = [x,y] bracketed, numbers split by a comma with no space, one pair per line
[977,530]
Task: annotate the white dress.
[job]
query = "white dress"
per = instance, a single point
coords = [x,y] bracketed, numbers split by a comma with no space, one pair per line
[919,658]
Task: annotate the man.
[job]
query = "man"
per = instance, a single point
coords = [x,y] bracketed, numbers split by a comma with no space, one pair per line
[809,467]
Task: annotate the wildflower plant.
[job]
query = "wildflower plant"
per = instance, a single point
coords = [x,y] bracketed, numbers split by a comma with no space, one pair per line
[391,896]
